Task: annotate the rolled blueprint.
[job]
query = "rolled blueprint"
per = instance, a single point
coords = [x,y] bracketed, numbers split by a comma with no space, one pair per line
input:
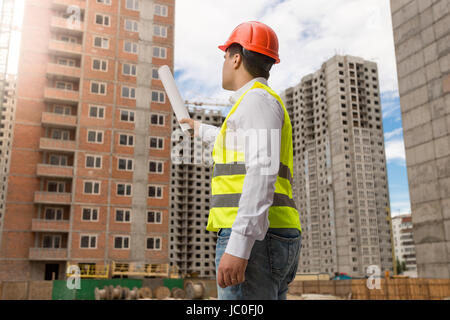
[175,99]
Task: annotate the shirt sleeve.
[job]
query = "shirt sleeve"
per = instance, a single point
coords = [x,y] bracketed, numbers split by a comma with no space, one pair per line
[261,113]
[208,133]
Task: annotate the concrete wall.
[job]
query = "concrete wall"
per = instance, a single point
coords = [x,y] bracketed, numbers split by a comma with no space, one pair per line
[387,289]
[40,290]
[26,290]
[422,44]
[143,95]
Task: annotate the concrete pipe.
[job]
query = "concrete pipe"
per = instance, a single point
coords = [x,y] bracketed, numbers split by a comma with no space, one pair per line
[178,293]
[133,294]
[125,293]
[109,292]
[194,290]
[117,293]
[101,294]
[145,292]
[161,292]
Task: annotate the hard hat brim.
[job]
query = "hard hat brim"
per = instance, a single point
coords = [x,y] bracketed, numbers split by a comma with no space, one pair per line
[223,47]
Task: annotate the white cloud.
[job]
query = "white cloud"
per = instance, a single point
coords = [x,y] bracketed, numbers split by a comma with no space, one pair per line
[395,150]
[396,132]
[400,207]
[309,32]
[390,108]
[399,199]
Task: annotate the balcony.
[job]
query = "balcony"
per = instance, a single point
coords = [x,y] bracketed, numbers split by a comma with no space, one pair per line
[47,254]
[63,4]
[63,72]
[66,49]
[52,197]
[308,93]
[48,170]
[39,225]
[51,119]
[57,145]
[66,25]
[61,96]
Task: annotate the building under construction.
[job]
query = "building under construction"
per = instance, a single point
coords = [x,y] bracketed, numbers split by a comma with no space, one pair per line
[340,178]
[192,247]
[6,127]
[7,99]
[88,183]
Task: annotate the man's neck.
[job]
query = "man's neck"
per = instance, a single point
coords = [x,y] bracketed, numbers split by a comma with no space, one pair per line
[237,93]
[242,81]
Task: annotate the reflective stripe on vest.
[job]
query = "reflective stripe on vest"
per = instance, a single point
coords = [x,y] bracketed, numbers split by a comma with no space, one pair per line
[229,173]
[232,200]
[228,169]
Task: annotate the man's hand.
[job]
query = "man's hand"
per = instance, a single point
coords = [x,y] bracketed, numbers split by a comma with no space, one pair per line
[193,124]
[231,270]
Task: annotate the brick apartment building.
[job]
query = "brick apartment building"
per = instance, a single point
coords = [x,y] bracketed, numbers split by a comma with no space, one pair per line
[90,161]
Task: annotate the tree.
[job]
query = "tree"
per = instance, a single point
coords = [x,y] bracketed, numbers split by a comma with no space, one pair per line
[401,266]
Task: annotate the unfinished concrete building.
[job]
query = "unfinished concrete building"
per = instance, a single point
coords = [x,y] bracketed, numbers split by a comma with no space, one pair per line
[192,247]
[6,128]
[7,100]
[340,182]
[422,45]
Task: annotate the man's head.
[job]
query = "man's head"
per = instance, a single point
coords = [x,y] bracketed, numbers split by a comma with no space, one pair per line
[242,63]
[250,52]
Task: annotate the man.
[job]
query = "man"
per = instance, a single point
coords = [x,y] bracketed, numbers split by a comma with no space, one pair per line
[259,232]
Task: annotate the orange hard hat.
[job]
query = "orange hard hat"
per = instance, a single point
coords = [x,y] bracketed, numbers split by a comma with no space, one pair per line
[255,36]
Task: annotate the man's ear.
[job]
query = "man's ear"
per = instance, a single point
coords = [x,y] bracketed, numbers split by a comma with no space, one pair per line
[237,60]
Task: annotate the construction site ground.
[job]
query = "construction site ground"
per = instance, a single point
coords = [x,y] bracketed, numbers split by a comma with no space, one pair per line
[201,289]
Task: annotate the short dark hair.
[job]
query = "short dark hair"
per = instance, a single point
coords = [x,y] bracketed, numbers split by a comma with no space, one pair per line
[257,64]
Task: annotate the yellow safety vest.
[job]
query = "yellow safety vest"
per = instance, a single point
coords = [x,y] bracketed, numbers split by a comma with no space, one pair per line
[229,172]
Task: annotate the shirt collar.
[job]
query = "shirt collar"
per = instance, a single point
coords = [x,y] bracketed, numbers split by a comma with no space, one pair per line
[238,93]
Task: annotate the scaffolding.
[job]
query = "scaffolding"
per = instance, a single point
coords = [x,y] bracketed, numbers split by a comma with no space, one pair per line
[101,271]
[89,270]
[140,269]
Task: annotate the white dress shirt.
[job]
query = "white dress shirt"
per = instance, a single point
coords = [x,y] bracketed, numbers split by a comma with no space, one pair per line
[257,110]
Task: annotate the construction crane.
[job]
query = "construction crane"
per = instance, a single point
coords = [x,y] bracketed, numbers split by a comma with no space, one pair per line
[389,220]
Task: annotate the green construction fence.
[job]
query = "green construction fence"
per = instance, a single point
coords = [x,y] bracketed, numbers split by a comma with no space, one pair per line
[87,287]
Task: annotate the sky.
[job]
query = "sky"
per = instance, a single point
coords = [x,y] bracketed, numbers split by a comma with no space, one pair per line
[309,33]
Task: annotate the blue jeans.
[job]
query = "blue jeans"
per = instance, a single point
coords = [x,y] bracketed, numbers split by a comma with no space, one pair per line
[271,267]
